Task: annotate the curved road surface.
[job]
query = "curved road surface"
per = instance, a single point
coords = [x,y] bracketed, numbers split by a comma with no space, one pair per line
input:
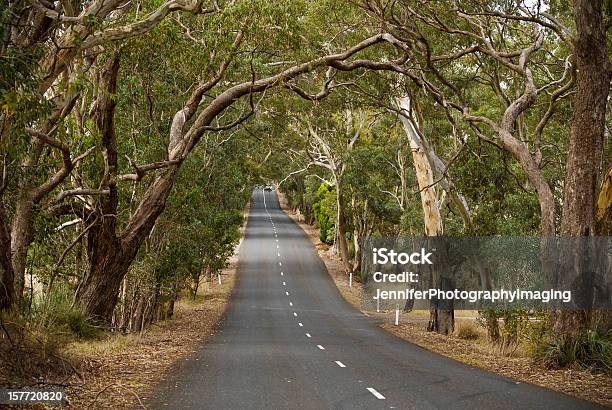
[289,340]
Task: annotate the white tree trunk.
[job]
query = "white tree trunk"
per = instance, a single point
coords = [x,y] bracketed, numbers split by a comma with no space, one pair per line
[432,218]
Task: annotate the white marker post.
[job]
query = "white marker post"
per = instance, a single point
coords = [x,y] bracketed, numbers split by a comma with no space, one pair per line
[350,279]
[377,305]
[219,277]
[397,315]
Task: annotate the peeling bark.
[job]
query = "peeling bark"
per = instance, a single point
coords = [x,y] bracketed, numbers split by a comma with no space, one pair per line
[432,218]
[441,318]
[582,210]
[603,212]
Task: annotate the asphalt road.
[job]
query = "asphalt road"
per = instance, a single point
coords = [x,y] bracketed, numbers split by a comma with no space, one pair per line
[289,340]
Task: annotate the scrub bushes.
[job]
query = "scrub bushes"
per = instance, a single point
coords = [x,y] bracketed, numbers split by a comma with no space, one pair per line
[591,349]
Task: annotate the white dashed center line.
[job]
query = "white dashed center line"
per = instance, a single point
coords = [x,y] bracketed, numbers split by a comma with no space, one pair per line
[375,393]
[320,347]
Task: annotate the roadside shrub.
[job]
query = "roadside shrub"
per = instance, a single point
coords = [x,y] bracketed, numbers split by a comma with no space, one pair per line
[54,310]
[80,324]
[590,349]
[48,308]
[511,329]
[467,329]
[324,210]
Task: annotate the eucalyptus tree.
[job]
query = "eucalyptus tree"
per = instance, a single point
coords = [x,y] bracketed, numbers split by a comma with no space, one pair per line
[504,70]
[115,251]
[584,169]
[328,147]
[193,239]
[48,49]
[447,44]
[531,55]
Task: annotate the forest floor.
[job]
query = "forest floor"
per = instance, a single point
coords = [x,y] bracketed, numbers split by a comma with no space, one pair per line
[514,364]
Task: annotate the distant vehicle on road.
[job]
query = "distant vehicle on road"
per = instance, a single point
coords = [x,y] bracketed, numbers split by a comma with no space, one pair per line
[268,188]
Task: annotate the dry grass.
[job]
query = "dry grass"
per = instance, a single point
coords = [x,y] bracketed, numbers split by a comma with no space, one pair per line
[108,346]
[30,356]
[121,371]
[468,330]
[517,365]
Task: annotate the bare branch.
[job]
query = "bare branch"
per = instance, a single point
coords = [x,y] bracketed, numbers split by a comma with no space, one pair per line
[294,173]
[39,192]
[191,106]
[80,191]
[141,170]
[76,240]
[68,224]
[49,140]
[232,124]
[142,26]
[553,24]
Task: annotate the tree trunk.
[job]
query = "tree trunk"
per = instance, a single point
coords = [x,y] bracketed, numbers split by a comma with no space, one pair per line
[594,72]
[341,219]
[98,292]
[30,194]
[432,218]
[442,319]
[359,229]
[111,256]
[108,262]
[7,280]
[584,161]
[603,212]
[173,297]
[21,237]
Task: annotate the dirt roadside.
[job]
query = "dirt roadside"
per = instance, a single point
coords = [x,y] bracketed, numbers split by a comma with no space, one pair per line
[478,353]
[122,371]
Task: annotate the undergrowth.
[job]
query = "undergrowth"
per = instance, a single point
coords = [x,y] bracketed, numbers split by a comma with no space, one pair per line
[591,349]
